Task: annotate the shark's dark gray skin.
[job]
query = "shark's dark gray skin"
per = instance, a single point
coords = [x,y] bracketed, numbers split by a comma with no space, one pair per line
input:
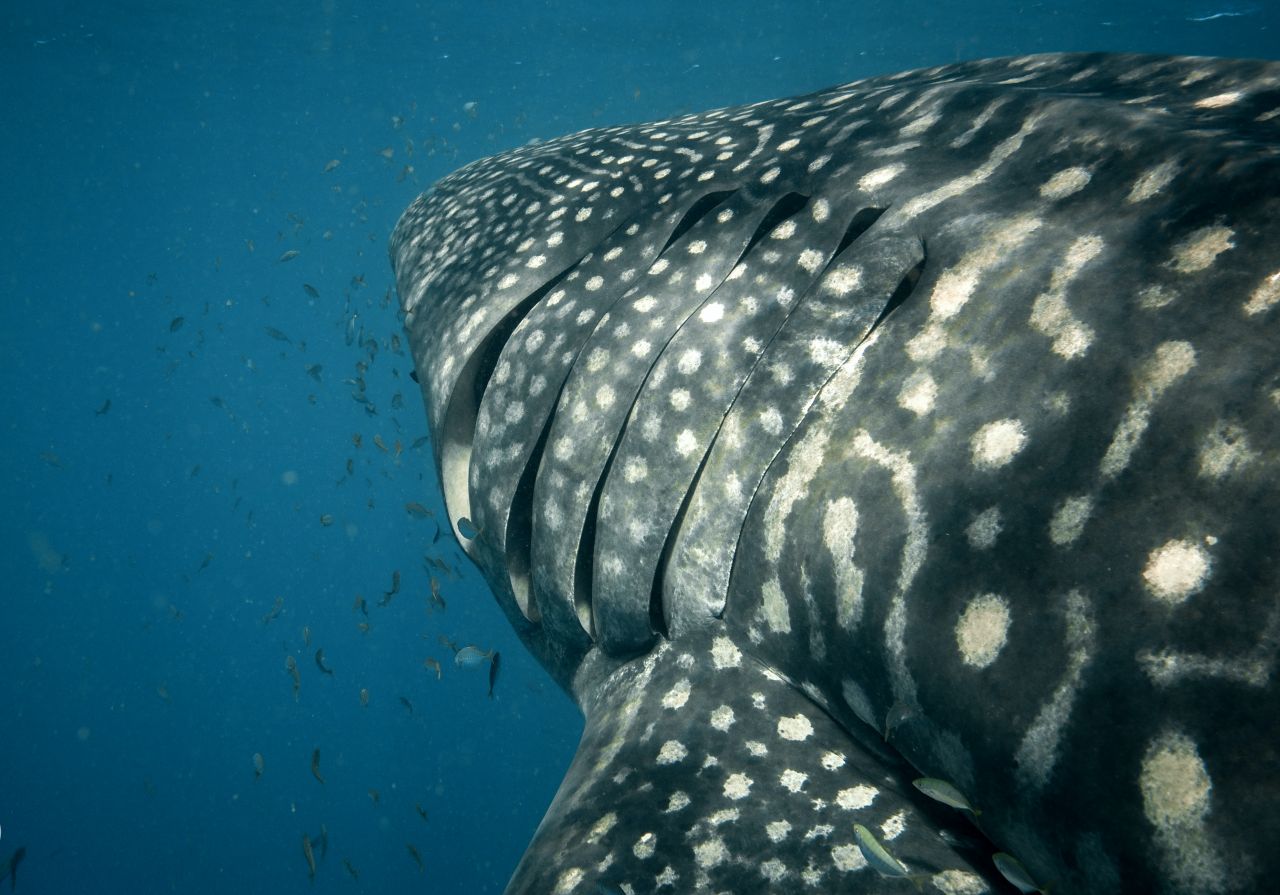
[927,426]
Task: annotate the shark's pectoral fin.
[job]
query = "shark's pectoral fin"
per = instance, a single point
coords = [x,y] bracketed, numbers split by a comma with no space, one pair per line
[700,768]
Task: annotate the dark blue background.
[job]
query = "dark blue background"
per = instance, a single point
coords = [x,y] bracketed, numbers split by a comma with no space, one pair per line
[145,146]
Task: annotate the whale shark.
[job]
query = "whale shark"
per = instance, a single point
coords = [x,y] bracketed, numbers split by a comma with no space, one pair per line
[891,474]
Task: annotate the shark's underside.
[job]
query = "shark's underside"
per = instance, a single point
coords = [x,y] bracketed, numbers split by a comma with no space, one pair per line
[922,427]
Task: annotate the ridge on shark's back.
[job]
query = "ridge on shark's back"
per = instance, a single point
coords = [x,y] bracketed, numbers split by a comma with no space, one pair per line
[889,473]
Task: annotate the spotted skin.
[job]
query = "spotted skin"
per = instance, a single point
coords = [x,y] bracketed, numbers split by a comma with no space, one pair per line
[940,410]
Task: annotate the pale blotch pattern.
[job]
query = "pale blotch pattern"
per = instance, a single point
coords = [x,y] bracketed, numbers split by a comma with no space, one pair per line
[1170,362]
[677,802]
[777,609]
[710,853]
[671,752]
[777,830]
[1069,519]
[879,177]
[1065,183]
[737,786]
[774,870]
[645,846]
[1177,570]
[984,529]
[678,695]
[842,280]
[1225,450]
[919,393]
[833,761]
[894,826]
[1038,753]
[959,882]
[569,880]
[997,443]
[756,748]
[602,827]
[1175,798]
[722,718]
[792,780]
[796,728]
[839,525]
[848,858]
[1200,249]
[1265,296]
[856,797]
[1152,182]
[724,654]
[982,629]
[1050,314]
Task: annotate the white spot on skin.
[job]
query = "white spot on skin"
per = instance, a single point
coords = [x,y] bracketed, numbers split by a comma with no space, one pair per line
[645,846]
[918,393]
[856,797]
[1069,519]
[997,443]
[984,529]
[1177,570]
[678,802]
[602,827]
[568,880]
[1152,182]
[635,470]
[703,283]
[1170,362]
[842,280]
[711,313]
[724,654]
[671,752]
[737,786]
[839,525]
[686,443]
[1064,183]
[796,728]
[894,827]
[1224,450]
[722,718]
[1050,314]
[1220,100]
[777,611]
[982,629]
[777,830]
[1265,296]
[689,361]
[774,870]
[959,882]
[680,399]
[832,761]
[848,858]
[678,695]
[1200,249]
[879,177]
[710,853]
[1175,798]
[793,781]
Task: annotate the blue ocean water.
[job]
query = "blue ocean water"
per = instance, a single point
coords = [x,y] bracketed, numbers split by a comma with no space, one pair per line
[183,395]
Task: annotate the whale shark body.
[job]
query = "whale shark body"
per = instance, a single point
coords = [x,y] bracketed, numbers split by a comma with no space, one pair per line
[922,427]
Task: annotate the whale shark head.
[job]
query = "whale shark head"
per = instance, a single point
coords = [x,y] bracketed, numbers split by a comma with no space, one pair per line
[889,473]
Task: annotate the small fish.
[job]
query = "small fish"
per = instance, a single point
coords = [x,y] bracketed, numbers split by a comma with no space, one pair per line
[101,411]
[422,812]
[292,667]
[434,666]
[218,402]
[878,856]
[315,765]
[204,563]
[419,442]
[899,713]
[306,636]
[313,370]
[417,858]
[331,164]
[351,466]
[493,671]
[356,439]
[1012,870]
[324,841]
[437,601]
[395,588]
[176,324]
[288,256]
[276,608]
[387,152]
[468,529]
[361,605]
[248,244]
[364,697]
[310,855]
[374,796]
[379,443]
[10,867]
[326,519]
[350,869]
[320,663]
[471,657]
[944,792]
[258,765]
[365,627]
[311,290]
[277,334]
[417,510]
[351,329]
[404,701]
